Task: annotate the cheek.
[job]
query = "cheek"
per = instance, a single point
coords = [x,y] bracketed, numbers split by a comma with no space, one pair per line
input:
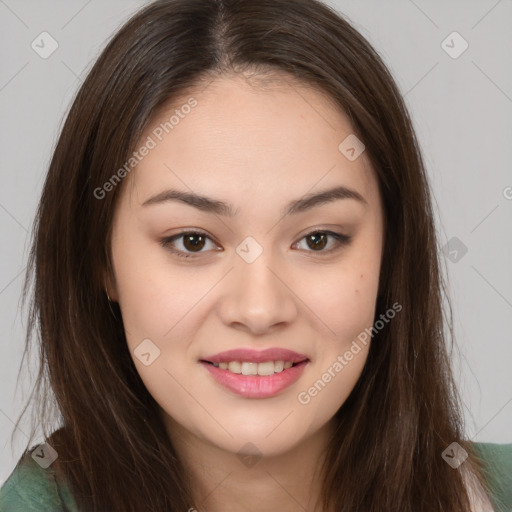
[344,299]
[333,380]
[153,293]
[347,306]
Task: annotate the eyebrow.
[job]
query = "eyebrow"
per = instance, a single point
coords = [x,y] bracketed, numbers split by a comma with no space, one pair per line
[300,205]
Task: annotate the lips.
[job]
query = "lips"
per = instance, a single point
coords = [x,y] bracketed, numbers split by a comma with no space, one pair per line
[255,386]
[249,385]
[254,356]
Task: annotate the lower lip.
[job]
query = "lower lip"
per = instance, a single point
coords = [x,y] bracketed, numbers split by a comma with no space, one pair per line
[256,386]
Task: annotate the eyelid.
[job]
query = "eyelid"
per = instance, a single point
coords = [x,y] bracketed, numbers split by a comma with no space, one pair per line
[340,238]
[167,241]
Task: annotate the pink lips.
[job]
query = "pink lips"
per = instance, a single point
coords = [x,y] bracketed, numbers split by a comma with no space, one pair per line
[256,386]
[254,356]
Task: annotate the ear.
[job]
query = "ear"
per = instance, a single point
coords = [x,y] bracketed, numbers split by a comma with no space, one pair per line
[110,286]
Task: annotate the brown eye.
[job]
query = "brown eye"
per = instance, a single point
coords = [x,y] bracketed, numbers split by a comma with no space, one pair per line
[194,242]
[317,240]
[191,242]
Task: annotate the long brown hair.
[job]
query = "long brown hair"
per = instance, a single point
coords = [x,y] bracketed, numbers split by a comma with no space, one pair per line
[113,448]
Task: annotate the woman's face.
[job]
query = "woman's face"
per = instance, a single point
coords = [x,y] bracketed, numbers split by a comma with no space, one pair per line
[263,274]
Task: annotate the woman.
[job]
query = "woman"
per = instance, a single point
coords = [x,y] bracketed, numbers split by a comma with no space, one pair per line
[236,283]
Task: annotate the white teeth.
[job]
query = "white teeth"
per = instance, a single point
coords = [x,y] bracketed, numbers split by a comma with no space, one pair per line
[266,368]
[249,368]
[235,367]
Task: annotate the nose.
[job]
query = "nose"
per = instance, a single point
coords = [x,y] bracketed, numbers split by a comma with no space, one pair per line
[257,298]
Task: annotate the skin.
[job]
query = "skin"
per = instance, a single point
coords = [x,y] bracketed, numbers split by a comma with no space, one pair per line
[256,148]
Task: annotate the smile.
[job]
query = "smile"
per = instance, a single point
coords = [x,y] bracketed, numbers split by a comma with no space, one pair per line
[252,385]
[249,368]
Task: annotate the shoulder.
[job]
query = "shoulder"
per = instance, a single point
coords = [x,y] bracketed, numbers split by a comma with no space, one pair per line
[34,485]
[496,460]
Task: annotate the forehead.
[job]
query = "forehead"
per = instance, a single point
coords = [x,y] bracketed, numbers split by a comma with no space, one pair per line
[246,135]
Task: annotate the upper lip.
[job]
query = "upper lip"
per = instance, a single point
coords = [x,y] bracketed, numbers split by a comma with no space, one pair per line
[255,356]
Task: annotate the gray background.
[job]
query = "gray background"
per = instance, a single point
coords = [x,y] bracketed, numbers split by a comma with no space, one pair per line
[461,108]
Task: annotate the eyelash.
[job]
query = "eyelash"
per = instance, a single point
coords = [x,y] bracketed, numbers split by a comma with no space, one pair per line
[340,238]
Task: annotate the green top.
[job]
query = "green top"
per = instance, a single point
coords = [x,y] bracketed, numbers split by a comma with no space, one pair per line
[31,488]
[498,473]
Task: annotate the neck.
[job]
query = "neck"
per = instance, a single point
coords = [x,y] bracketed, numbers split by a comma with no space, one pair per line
[224,481]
